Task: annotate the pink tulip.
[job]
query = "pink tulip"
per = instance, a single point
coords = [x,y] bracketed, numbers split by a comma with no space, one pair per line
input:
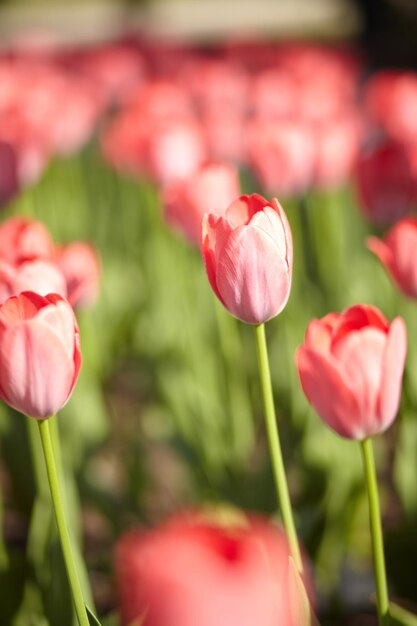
[281,153]
[398,253]
[9,177]
[386,183]
[186,201]
[40,354]
[337,142]
[39,275]
[80,266]
[191,570]
[391,100]
[176,150]
[350,368]
[248,258]
[22,239]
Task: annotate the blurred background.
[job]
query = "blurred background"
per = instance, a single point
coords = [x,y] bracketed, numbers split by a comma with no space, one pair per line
[109,111]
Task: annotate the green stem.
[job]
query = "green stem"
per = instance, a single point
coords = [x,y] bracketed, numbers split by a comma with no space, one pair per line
[376,532]
[275,446]
[61,523]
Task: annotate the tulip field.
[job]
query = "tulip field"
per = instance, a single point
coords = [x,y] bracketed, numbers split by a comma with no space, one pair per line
[208,336]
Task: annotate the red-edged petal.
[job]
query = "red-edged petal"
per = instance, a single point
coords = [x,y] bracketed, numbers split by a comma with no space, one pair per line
[392,371]
[329,393]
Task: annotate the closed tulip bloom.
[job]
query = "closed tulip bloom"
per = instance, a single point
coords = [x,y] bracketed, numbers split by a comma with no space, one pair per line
[350,367]
[398,253]
[186,201]
[248,258]
[192,570]
[80,266]
[40,354]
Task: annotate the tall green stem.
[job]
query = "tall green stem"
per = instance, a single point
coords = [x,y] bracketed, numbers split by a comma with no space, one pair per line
[61,523]
[275,446]
[376,532]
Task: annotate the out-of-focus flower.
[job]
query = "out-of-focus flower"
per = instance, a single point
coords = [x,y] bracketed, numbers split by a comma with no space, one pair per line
[274,94]
[9,178]
[281,153]
[248,258]
[156,136]
[398,253]
[350,367]
[217,85]
[386,183]
[337,143]
[22,239]
[40,275]
[193,570]
[176,151]
[40,354]
[391,100]
[116,69]
[80,266]
[326,79]
[224,133]
[161,99]
[211,189]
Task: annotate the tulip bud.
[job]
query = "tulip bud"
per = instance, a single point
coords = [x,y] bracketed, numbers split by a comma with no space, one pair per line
[192,570]
[40,354]
[248,258]
[398,253]
[350,367]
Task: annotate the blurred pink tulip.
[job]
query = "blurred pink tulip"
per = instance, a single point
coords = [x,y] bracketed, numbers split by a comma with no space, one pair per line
[192,570]
[217,85]
[186,201]
[39,275]
[274,94]
[80,265]
[398,253]
[9,176]
[224,133]
[391,100]
[350,367]
[337,143]
[326,79]
[22,239]
[281,152]
[176,150]
[248,258]
[116,69]
[40,354]
[386,183]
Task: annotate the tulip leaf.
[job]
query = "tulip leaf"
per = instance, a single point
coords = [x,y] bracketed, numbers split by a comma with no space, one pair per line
[92,618]
[400,616]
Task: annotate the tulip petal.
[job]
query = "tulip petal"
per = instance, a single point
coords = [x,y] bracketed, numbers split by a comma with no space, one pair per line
[360,355]
[241,211]
[392,371]
[251,276]
[215,231]
[329,393]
